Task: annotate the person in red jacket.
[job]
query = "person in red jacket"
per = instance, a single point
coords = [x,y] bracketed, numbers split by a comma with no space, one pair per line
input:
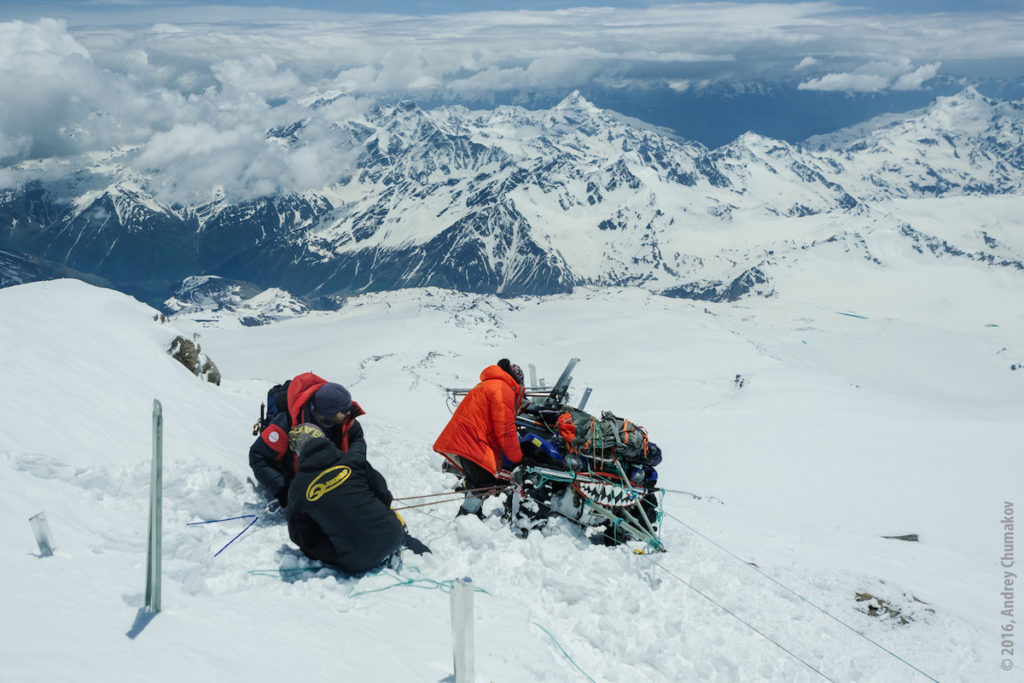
[314,400]
[482,431]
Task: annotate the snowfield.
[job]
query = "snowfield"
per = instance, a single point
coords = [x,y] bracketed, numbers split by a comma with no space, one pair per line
[797,431]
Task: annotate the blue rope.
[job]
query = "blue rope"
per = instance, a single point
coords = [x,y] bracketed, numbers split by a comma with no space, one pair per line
[228,519]
[564,653]
[790,590]
[214,521]
[280,572]
[447,585]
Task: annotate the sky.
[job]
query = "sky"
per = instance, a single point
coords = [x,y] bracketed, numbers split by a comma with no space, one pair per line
[170,78]
[424,7]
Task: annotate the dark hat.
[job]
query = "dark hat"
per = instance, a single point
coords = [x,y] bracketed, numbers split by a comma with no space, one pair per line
[331,399]
[512,369]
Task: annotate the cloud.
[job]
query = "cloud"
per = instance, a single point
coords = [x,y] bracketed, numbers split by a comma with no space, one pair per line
[848,82]
[805,63]
[256,74]
[185,76]
[875,77]
[913,80]
[234,154]
[393,55]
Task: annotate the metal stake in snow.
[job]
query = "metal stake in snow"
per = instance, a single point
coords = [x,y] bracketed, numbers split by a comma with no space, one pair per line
[462,629]
[42,531]
[156,484]
[583,401]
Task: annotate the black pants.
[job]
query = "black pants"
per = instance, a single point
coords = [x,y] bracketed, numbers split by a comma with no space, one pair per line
[476,478]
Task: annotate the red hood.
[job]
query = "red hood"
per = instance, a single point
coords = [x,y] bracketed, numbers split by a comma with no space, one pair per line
[300,391]
[494,372]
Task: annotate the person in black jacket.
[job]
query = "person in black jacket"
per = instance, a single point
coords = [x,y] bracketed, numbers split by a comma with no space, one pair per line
[310,399]
[339,509]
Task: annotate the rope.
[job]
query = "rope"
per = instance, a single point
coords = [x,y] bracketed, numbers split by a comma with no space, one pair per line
[458,494]
[739,619]
[448,493]
[649,536]
[228,519]
[446,585]
[564,653]
[433,502]
[790,590]
[688,493]
[283,572]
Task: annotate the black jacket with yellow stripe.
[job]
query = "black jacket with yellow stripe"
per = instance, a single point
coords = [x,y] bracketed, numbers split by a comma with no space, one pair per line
[274,463]
[339,509]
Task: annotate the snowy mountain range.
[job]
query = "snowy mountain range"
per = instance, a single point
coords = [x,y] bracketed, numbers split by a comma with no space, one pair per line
[518,202]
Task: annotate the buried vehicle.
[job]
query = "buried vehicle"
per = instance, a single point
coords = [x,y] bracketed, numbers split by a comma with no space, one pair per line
[596,471]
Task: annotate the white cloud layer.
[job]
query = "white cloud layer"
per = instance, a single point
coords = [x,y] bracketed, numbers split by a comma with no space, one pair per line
[198,88]
[876,76]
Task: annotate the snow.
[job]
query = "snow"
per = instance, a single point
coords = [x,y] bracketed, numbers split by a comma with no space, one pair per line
[846,429]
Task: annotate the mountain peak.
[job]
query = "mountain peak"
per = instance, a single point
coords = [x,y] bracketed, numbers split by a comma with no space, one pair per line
[575,101]
[968,97]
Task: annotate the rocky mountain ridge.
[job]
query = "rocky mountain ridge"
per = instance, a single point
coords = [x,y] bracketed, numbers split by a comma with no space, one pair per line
[514,202]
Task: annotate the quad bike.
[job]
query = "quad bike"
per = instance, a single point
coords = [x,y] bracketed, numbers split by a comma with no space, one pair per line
[597,472]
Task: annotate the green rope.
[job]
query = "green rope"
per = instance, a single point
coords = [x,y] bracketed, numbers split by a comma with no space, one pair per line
[564,653]
[447,585]
[653,541]
[282,573]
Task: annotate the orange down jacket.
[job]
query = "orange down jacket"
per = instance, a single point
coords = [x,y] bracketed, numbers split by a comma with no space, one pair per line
[483,426]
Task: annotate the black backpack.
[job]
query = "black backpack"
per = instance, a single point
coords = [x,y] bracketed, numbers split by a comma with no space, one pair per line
[277,401]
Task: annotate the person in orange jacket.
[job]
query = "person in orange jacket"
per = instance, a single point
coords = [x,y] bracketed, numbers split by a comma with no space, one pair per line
[482,431]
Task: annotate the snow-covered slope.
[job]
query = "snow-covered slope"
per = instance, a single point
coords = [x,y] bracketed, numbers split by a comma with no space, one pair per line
[209,298]
[964,144]
[811,428]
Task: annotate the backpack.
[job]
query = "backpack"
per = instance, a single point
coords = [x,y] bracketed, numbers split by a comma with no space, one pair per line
[604,440]
[277,402]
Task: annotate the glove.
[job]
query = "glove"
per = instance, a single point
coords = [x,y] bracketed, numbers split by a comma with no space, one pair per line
[282,496]
[299,436]
[539,450]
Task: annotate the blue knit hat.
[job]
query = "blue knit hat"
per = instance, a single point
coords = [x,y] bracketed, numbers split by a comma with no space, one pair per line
[331,399]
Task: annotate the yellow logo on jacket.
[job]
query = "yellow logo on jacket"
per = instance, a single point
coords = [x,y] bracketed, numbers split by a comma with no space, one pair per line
[328,480]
